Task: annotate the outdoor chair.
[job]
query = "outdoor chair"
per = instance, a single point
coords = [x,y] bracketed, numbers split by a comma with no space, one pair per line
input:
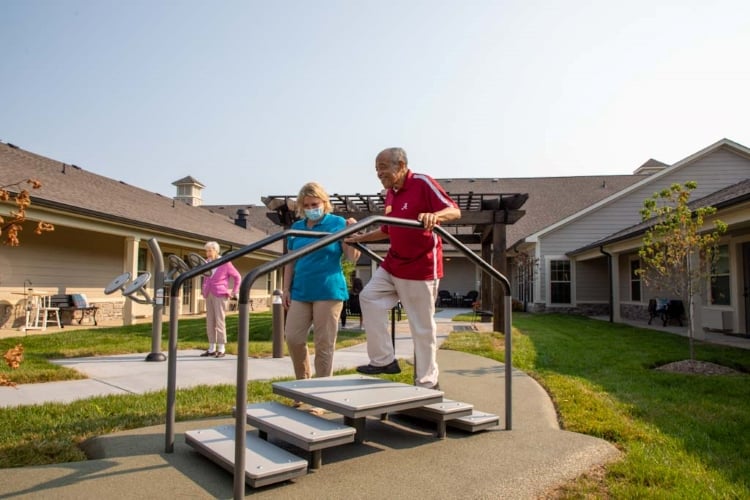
[470,298]
[675,311]
[666,310]
[444,298]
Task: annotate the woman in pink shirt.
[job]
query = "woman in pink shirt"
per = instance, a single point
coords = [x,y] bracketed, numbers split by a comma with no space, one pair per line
[216,291]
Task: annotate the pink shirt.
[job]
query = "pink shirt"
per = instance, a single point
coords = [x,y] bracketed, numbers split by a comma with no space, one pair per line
[218,283]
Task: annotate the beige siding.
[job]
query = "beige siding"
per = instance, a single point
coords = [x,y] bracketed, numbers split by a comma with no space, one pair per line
[77,263]
[592,284]
[718,170]
[460,276]
[84,262]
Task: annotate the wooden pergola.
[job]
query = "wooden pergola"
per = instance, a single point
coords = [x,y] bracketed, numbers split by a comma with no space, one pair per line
[484,217]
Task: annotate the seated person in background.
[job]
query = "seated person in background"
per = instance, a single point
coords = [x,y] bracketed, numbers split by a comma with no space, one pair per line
[354,308]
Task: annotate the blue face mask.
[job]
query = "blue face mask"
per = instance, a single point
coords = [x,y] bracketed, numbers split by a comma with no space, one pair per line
[314,213]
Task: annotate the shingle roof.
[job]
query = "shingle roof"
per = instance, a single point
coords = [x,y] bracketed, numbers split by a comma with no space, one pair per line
[256,216]
[188,180]
[551,199]
[71,189]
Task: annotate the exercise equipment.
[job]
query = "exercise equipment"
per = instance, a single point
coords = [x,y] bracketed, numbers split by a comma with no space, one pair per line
[117,284]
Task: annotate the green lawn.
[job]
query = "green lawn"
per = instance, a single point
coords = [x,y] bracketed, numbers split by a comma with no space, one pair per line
[683,436]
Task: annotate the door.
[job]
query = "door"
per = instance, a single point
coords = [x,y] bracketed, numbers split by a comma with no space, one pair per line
[746,283]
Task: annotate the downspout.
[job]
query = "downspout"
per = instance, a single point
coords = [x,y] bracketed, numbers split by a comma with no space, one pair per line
[514,248]
[611,292]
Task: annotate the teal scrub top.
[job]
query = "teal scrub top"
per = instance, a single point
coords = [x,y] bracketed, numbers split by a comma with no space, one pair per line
[318,276]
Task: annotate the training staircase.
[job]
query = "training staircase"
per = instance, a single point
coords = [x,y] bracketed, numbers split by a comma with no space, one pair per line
[355,397]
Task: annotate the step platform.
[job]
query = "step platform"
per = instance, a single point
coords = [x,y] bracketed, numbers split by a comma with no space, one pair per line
[299,428]
[440,413]
[357,396]
[265,463]
[477,421]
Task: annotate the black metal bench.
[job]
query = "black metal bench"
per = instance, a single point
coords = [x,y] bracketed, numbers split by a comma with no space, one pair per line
[66,302]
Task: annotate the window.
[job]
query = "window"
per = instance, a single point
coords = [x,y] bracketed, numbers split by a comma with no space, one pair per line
[187,290]
[560,282]
[635,280]
[142,260]
[524,281]
[720,294]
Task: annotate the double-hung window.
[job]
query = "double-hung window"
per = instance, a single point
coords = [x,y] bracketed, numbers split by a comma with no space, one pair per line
[720,279]
[635,280]
[560,282]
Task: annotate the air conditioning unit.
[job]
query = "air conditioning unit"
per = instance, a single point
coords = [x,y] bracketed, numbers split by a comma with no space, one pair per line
[715,319]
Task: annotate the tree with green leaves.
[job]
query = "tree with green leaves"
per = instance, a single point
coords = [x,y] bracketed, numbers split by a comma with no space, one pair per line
[677,252]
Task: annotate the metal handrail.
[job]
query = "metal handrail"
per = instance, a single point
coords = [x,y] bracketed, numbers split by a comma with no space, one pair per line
[244,324]
[244,321]
[174,317]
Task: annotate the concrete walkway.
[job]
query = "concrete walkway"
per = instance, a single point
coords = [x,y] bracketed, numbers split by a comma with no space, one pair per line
[400,459]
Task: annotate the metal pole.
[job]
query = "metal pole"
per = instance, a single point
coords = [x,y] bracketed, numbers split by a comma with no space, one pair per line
[393,328]
[508,364]
[278,324]
[240,437]
[171,380]
[156,354]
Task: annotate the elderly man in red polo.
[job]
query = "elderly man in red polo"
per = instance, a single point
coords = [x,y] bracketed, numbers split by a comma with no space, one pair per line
[411,270]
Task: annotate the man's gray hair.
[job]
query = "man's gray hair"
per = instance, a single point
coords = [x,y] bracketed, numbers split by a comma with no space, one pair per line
[396,155]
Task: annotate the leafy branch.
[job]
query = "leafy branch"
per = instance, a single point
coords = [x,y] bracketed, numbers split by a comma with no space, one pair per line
[11,226]
[677,253]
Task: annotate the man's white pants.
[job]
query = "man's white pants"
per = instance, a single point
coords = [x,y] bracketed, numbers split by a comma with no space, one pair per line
[381,294]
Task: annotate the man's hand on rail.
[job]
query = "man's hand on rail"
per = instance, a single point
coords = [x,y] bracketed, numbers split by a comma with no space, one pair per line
[428,220]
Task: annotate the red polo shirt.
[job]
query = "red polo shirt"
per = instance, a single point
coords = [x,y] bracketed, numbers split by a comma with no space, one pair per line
[415,254]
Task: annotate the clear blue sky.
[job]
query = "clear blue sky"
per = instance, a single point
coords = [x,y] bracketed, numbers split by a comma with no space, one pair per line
[258,97]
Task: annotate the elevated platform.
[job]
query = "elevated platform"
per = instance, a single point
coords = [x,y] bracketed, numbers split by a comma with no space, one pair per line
[357,396]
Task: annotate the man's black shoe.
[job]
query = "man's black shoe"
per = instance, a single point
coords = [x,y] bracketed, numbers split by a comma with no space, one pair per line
[391,368]
[220,354]
[208,353]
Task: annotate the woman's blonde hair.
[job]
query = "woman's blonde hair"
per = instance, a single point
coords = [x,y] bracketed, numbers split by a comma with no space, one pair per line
[313,190]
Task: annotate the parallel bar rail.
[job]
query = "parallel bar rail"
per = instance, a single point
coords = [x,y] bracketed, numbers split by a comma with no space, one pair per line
[174,316]
[244,317]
